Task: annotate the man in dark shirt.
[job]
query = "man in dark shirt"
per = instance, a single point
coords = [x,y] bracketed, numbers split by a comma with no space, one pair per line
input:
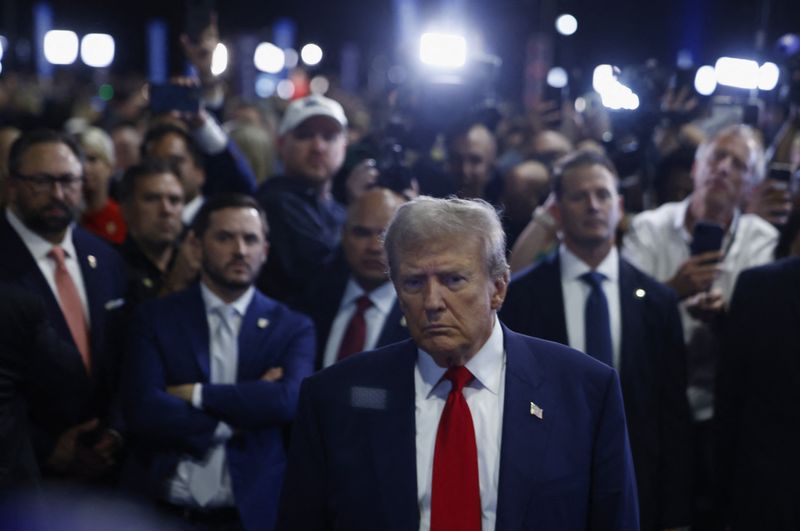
[305,221]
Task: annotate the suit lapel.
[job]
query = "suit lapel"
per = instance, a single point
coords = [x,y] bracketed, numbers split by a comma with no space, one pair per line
[632,317]
[394,328]
[393,441]
[525,436]
[256,328]
[195,327]
[91,270]
[549,303]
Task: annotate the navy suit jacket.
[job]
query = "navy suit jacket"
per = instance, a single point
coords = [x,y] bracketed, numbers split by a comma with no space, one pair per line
[169,345]
[652,374]
[228,172]
[352,463]
[322,303]
[104,277]
[757,397]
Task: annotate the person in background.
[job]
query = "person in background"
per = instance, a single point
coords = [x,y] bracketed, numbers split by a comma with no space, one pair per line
[102,215]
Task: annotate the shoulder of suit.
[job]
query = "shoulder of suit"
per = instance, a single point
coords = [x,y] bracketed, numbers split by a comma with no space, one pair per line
[552,356]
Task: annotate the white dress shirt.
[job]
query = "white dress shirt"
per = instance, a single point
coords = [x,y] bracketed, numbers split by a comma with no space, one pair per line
[383,298]
[178,486]
[576,291]
[484,396]
[39,249]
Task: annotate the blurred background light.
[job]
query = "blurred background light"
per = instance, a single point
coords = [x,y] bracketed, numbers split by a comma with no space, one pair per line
[566,24]
[269,58]
[705,80]
[60,47]
[735,72]
[219,59]
[768,76]
[311,54]
[265,86]
[613,94]
[291,57]
[319,85]
[557,77]
[439,49]
[285,89]
[97,50]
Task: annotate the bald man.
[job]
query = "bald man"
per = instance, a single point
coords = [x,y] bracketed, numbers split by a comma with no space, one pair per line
[353,304]
[471,159]
[526,187]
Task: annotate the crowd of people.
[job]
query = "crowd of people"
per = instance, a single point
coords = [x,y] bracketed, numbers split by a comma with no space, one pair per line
[186,297]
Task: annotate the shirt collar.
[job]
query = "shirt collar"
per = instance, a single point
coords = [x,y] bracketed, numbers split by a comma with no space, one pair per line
[573,267]
[212,302]
[486,365]
[382,297]
[38,246]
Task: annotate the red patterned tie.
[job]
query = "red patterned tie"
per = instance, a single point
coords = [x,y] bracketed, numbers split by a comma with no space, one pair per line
[356,333]
[71,306]
[455,495]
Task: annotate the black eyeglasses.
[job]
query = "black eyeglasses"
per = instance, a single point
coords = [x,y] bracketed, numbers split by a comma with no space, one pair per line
[43,182]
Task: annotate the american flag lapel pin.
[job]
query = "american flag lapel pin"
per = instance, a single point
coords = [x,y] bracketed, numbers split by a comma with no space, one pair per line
[92,261]
[262,323]
[536,411]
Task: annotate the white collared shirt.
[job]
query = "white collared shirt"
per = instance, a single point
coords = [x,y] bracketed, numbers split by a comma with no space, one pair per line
[484,396]
[383,298]
[576,291]
[178,485]
[39,249]
[191,208]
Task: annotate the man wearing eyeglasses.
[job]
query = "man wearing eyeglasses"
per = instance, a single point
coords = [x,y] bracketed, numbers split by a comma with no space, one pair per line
[81,281]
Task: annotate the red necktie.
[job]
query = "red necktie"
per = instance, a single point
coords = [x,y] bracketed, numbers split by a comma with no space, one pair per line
[356,333]
[71,306]
[455,494]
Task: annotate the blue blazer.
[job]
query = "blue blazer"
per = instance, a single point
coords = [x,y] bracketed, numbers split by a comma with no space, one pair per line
[652,375]
[169,345]
[321,302]
[352,462]
[104,277]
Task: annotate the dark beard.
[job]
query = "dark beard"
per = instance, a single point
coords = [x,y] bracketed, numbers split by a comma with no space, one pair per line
[49,225]
[219,279]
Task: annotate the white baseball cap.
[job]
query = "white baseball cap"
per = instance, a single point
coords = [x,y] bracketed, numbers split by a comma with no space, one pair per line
[315,105]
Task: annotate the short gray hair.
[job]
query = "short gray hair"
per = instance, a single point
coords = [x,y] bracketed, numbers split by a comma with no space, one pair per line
[749,135]
[427,219]
[96,139]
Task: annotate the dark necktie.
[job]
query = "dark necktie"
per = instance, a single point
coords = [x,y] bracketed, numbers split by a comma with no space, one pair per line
[455,490]
[356,333]
[597,321]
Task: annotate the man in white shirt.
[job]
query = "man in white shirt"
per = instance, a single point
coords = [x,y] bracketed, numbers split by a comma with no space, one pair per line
[466,426]
[353,303]
[212,380]
[642,330]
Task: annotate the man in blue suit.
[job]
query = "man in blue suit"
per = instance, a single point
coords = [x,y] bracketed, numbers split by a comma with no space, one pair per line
[549,300]
[212,380]
[353,303]
[81,282]
[467,426]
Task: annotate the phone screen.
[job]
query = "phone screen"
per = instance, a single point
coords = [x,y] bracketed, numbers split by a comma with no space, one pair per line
[706,237]
[167,97]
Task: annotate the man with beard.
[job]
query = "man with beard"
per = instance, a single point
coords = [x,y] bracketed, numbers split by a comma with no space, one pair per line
[81,281]
[212,379]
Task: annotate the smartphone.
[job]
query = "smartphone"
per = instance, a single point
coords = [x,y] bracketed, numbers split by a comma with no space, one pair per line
[168,97]
[706,237]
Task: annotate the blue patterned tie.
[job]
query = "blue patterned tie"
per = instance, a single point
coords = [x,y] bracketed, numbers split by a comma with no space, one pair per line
[597,321]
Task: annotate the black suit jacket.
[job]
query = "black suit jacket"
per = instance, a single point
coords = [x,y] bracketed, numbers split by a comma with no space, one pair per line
[104,277]
[323,298]
[757,399]
[652,375]
[37,368]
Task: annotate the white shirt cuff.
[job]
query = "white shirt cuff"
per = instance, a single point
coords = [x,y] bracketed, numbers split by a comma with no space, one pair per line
[197,396]
[210,136]
[223,432]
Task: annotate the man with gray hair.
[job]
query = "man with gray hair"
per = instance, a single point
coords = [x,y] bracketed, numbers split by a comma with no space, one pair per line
[467,425]
[670,244]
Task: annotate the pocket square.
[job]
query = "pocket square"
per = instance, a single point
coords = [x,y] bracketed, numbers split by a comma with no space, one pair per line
[113,304]
[368,398]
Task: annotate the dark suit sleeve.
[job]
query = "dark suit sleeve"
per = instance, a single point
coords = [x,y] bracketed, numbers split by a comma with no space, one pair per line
[228,172]
[675,456]
[256,404]
[613,502]
[302,503]
[151,412]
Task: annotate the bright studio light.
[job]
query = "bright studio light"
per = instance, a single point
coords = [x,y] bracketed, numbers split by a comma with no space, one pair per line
[557,77]
[97,50]
[311,54]
[768,76]
[269,58]
[705,80]
[443,50]
[613,94]
[735,72]
[219,59]
[566,24]
[60,47]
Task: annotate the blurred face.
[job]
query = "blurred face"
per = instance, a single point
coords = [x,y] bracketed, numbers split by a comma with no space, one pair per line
[448,298]
[173,147]
[314,150]
[44,207]
[366,222]
[233,249]
[723,170]
[472,161]
[153,213]
[589,208]
[126,146]
[97,170]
